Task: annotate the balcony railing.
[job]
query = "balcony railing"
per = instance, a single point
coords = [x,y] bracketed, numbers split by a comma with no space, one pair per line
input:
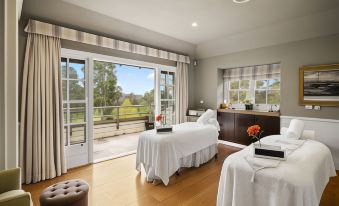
[117,114]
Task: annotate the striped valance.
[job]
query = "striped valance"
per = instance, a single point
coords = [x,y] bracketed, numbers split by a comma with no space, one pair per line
[43,28]
[257,72]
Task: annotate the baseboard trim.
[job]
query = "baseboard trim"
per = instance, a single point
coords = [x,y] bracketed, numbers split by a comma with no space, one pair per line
[231,144]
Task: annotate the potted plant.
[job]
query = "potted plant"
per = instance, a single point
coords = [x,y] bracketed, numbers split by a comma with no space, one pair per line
[248,105]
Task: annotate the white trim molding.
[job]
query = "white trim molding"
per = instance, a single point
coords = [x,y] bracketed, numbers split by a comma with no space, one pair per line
[9,87]
[232,144]
[326,131]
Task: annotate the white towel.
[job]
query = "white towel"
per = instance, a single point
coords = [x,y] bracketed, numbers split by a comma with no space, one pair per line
[257,163]
[295,129]
[260,163]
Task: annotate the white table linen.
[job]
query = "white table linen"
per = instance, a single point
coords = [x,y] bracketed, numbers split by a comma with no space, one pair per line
[300,180]
[162,154]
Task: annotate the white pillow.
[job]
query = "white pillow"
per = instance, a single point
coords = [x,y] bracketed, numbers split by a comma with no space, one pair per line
[203,119]
[295,130]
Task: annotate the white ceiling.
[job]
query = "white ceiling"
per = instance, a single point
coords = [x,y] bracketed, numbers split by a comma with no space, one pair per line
[216,18]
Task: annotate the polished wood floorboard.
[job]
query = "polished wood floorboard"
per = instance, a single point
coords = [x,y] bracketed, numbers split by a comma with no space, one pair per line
[116,182]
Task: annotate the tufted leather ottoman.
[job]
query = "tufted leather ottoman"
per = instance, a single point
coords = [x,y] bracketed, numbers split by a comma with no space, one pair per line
[67,193]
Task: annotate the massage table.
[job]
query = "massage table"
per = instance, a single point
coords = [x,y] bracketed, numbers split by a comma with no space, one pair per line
[299,180]
[163,154]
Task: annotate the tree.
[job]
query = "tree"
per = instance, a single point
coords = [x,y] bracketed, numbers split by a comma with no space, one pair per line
[125,109]
[76,87]
[148,101]
[106,90]
[133,98]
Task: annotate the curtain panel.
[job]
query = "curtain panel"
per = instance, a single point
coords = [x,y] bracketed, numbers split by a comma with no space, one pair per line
[181,83]
[257,72]
[41,141]
[37,27]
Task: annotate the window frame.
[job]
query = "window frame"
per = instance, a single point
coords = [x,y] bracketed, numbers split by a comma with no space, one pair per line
[252,91]
[266,91]
[228,89]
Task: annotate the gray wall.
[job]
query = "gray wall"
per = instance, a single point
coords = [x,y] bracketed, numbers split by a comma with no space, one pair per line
[324,50]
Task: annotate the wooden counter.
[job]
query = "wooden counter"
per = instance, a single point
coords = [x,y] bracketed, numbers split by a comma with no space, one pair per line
[253,112]
[234,124]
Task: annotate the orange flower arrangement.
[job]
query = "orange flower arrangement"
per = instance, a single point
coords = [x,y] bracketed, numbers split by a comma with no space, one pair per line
[255,132]
[158,118]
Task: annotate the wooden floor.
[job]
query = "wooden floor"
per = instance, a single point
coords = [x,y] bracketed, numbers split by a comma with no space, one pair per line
[116,182]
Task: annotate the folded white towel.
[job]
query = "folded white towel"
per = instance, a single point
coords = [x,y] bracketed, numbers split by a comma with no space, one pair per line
[295,129]
[260,163]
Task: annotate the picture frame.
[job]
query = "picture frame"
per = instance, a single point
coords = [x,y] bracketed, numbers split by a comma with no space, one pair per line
[319,85]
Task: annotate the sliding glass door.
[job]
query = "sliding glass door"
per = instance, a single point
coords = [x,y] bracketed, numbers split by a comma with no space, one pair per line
[105,96]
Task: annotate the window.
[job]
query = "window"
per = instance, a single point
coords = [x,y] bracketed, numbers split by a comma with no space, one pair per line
[74,100]
[167,96]
[239,91]
[267,91]
[256,91]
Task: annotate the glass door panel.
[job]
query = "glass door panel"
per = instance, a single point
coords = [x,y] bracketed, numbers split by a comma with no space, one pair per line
[74,89]
[167,97]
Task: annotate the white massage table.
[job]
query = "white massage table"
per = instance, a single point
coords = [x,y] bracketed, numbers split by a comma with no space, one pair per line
[163,154]
[298,181]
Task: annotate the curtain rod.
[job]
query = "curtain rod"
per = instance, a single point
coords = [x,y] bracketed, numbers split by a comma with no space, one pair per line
[279,62]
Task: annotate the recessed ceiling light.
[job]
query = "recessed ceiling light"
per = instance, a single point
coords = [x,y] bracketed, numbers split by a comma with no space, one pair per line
[194,24]
[240,1]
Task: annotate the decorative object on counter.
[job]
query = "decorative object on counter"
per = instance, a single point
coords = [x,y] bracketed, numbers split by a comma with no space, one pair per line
[149,125]
[223,106]
[202,106]
[255,132]
[248,105]
[319,85]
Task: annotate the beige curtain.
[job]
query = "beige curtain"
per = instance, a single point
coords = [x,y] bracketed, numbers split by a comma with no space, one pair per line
[181,83]
[41,122]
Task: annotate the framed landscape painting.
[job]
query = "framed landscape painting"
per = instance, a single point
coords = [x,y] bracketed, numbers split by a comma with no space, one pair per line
[319,85]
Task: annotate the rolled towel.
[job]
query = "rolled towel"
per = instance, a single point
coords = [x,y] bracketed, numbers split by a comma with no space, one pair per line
[203,119]
[295,129]
[307,134]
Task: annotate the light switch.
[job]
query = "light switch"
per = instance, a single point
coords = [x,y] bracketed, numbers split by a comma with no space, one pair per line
[316,107]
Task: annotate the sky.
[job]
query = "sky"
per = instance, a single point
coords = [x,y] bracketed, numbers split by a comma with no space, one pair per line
[133,79]
[130,78]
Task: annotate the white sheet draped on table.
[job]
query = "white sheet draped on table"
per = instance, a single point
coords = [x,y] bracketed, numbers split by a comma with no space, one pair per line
[161,155]
[300,180]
